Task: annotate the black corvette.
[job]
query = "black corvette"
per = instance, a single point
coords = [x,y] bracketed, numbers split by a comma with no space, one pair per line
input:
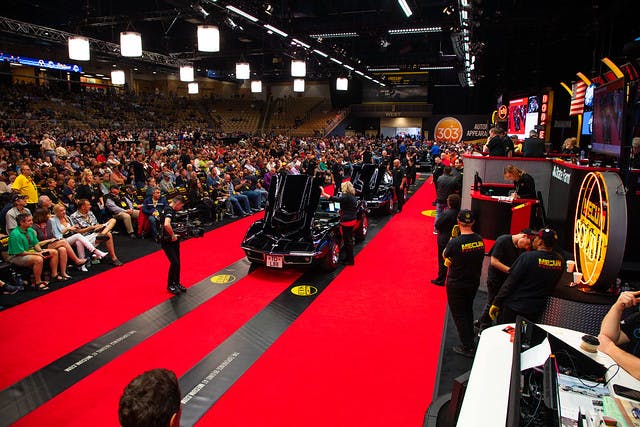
[299,228]
[374,187]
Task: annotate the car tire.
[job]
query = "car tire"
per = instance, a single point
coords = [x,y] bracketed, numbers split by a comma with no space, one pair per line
[361,232]
[332,259]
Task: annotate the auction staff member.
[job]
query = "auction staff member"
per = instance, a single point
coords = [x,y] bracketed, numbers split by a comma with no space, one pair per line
[524,185]
[349,211]
[399,182]
[503,254]
[615,332]
[171,245]
[443,225]
[531,278]
[464,255]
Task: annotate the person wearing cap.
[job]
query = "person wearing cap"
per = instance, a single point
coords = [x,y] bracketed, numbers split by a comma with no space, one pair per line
[533,146]
[464,255]
[444,225]
[531,278]
[19,202]
[24,185]
[171,245]
[504,252]
[620,338]
[121,208]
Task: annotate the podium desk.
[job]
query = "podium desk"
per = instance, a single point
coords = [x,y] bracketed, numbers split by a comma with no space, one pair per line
[498,214]
[487,394]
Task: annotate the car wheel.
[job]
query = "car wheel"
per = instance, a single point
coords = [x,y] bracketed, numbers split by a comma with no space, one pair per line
[361,233]
[332,259]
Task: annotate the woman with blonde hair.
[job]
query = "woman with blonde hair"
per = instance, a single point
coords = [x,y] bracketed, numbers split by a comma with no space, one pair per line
[570,146]
[63,228]
[525,186]
[349,210]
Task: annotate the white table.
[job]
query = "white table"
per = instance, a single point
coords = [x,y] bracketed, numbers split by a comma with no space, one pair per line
[487,394]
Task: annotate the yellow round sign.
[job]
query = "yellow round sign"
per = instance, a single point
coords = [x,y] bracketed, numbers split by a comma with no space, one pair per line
[430,212]
[223,278]
[448,129]
[304,290]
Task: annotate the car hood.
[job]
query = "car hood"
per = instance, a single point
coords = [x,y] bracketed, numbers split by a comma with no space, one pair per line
[366,178]
[292,202]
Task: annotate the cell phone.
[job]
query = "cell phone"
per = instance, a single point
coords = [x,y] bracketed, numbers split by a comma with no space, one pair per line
[627,392]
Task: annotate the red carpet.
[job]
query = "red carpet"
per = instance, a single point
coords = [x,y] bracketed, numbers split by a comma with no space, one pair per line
[366,352]
[48,327]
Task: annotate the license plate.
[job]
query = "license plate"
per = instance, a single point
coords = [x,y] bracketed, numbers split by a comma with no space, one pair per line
[274,261]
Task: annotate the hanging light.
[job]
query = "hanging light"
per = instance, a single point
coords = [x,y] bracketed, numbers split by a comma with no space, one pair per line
[192,88]
[342,83]
[298,85]
[117,77]
[243,70]
[79,48]
[208,38]
[130,44]
[186,73]
[298,68]
[256,86]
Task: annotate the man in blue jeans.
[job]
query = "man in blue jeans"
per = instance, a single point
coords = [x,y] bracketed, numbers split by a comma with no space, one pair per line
[240,202]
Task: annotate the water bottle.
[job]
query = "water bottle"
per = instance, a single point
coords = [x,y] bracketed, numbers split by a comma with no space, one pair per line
[582,155]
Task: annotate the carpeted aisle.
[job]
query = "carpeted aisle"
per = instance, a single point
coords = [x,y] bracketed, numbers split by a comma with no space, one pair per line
[366,352]
[44,329]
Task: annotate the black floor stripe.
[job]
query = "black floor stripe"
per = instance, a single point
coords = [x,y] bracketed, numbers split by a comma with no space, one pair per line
[26,395]
[208,380]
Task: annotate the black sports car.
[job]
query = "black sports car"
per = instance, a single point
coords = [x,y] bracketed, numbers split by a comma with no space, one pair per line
[374,186]
[298,227]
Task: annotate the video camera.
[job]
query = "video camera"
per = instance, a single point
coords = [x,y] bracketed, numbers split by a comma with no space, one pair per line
[184,227]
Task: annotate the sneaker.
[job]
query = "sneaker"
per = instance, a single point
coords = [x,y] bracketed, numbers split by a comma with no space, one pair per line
[8,289]
[84,268]
[173,289]
[464,351]
[179,286]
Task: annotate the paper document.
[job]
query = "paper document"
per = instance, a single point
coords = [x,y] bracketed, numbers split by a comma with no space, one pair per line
[535,356]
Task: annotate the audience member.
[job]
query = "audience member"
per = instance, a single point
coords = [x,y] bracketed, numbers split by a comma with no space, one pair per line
[121,208]
[620,337]
[19,202]
[89,226]
[151,399]
[25,186]
[152,207]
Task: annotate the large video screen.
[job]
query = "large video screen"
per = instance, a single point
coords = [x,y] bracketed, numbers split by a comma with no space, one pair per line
[608,114]
[523,116]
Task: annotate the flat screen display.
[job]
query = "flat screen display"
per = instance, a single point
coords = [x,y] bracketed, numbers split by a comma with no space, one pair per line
[608,114]
[517,117]
[587,122]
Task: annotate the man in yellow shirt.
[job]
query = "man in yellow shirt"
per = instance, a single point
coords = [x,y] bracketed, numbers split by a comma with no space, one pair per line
[25,186]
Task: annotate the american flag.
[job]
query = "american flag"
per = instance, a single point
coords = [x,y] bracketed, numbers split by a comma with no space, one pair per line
[577,98]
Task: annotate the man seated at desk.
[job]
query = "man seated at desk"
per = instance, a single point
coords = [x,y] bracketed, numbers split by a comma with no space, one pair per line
[615,332]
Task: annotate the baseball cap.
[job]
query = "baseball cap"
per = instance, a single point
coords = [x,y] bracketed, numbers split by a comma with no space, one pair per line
[17,196]
[465,216]
[548,236]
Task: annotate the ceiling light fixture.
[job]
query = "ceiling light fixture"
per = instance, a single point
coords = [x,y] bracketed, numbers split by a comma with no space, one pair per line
[319,52]
[79,48]
[276,30]
[130,44]
[301,43]
[117,77]
[243,70]
[186,73]
[415,30]
[256,86]
[298,68]
[348,67]
[208,38]
[298,85]
[333,35]
[342,83]
[242,13]
[384,69]
[192,88]
[405,7]
[336,61]
[434,68]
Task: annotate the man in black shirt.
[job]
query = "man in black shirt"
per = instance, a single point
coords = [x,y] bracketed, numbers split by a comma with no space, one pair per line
[533,146]
[139,173]
[532,277]
[495,144]
[444,224]
[464,256]
[503,254]
[399,183]
[171,245]
[447,185]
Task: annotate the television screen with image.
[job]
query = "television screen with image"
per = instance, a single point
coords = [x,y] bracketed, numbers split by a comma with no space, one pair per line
[608,118]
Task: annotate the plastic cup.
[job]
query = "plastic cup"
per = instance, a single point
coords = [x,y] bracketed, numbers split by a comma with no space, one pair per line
[577,277]
[571,266]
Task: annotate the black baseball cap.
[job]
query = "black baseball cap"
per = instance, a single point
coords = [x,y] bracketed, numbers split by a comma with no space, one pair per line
[17,196]
[466,216]
[548,236]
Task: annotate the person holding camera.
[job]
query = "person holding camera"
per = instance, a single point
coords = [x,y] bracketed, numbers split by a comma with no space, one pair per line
[171,245]
[24,251]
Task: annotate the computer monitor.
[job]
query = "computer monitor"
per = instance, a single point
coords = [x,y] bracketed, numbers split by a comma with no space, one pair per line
[565,359]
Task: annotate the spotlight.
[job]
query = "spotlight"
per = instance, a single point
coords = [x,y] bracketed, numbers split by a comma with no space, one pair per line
[384,43]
